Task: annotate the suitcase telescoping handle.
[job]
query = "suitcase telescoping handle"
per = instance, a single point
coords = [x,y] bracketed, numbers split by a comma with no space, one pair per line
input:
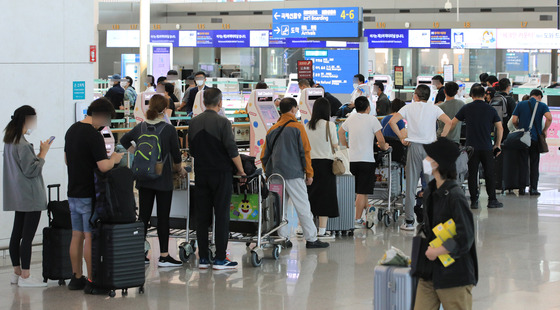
[57,186]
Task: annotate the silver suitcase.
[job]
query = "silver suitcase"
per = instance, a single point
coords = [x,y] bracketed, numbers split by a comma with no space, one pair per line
[345,191]
[393,288]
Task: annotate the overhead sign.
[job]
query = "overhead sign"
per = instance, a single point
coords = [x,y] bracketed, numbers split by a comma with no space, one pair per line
[340,22]
[318,15]
[528,38]
[440,38]
[419,38]
[387,38]
[305,69]
[335,70]
[473,38]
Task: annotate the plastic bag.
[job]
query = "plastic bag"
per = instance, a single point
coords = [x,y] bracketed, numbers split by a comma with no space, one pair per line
[395,257]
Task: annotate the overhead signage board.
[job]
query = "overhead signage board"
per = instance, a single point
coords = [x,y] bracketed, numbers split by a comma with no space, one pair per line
[528,38]
[517,61]
[340,22]
[305,69]
[387,38]
[440,38]
[419,38]
[473,38]
[335,70]
[318,15]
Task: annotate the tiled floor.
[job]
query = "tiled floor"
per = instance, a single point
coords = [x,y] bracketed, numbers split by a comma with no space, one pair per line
[518,251]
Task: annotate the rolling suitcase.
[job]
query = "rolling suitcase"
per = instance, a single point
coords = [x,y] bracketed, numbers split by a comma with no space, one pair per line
[56,240]
[118,256]
[345,191]
[393,288]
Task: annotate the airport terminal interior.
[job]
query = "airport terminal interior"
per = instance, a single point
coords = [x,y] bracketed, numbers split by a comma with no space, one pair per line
[483,76]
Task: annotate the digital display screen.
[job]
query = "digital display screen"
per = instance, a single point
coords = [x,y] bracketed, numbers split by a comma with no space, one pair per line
[294,88]
[269,114]
[517,61]
[336,71]
[264,99]
[161,60]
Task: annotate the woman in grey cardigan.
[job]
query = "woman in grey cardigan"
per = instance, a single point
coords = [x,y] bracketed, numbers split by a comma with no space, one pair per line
[24,191]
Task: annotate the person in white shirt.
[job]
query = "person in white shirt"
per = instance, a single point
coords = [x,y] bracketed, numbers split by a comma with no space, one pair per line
[150,84]
[361,88]
[324,142]
[362,129]
[421,118]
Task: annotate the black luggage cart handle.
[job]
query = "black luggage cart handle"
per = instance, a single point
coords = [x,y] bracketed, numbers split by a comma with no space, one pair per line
[57,186]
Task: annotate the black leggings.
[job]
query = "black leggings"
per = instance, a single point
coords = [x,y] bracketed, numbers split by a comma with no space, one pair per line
[147,197]
[25,226]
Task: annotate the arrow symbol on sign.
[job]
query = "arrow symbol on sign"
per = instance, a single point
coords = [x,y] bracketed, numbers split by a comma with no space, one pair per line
[277,30]
[276,15]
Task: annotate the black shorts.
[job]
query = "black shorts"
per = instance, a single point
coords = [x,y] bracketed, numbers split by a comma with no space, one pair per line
[364,173]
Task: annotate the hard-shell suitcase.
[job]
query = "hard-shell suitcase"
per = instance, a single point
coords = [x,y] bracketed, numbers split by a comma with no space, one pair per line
[118,256]
[56,240]
[345,191]
[393,288]
[56,254]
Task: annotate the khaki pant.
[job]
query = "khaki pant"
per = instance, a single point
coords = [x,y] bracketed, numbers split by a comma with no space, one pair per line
[456,298]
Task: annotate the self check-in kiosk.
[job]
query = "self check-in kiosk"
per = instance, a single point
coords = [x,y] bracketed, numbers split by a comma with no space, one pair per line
[142,106]
[262,116]
[292,90]
[308,98]
[387,82]
[109,140]
[427,80]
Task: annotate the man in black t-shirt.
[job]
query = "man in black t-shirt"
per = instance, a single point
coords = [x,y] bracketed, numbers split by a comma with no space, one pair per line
[480,119]
[437,82]
[85,151]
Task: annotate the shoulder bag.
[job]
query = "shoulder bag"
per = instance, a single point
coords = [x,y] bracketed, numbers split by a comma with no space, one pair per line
[521,138]
[338,164]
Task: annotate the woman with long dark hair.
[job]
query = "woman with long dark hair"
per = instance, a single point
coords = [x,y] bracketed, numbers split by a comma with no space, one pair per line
[322,192]
[24,191]
[160,189]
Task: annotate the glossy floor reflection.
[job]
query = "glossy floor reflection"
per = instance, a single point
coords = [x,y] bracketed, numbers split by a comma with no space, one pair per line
[519,259]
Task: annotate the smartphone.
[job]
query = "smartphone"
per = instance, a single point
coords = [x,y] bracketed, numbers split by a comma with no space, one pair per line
[51,139]
[496,151]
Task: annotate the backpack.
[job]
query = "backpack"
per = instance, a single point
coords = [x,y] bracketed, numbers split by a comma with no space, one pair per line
[499,103]
[147,162]
[114,196]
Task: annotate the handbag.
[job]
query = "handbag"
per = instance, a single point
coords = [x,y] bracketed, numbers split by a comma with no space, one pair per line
[338,165]
[420,266]
[521,138]
[543,146]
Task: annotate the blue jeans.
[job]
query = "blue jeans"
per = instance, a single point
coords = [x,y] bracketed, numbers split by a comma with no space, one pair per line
[80,212]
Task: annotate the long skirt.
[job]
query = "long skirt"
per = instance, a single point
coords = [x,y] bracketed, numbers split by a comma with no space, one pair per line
[322,193]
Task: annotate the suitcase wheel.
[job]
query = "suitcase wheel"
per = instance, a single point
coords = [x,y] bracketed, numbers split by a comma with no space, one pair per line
[351,233]
[125,292]
[112,294]
[141,290]
[60,282]
[45,280]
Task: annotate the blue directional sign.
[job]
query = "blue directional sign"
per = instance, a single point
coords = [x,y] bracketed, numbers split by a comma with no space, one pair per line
[316,30]
[316,22]
[318,15]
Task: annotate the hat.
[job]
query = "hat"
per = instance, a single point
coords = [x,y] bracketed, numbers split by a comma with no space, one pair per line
[116,77]
[444,151]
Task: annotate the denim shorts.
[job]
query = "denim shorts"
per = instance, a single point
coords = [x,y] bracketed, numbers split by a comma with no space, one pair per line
[80,212]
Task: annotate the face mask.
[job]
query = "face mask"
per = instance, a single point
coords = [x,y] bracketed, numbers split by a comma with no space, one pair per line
[146,84]
[124,84]
[427,166]
[199,82]
[29,131]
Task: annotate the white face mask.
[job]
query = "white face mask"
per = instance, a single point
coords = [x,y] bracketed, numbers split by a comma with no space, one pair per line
[427,166]
[29,131]
[199,82]
[124,84]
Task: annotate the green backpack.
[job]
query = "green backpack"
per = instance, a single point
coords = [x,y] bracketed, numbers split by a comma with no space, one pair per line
[147,164]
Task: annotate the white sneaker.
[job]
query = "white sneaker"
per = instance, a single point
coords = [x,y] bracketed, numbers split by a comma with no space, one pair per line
[359,224]
[30,282]
[14,279]
[326,236]
[299,231]
[408,227]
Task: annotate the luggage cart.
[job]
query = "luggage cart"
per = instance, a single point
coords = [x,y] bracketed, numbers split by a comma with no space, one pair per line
[386,193]
[263,237]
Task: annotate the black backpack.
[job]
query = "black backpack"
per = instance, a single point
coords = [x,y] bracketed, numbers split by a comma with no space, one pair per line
[114,196]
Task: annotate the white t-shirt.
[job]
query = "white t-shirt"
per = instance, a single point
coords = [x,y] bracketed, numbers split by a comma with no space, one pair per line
[421,119]
[320,147]
[361,130]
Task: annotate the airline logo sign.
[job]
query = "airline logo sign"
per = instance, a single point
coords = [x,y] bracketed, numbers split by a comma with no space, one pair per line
[305,69]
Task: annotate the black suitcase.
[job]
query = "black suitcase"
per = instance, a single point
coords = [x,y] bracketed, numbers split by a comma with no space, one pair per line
[56,240]
[118,256]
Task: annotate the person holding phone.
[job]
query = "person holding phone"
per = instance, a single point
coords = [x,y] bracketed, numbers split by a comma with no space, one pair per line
[24,191]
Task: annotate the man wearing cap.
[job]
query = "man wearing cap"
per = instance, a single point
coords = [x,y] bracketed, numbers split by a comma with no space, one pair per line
[116,94]
[449,286]
[480,119]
